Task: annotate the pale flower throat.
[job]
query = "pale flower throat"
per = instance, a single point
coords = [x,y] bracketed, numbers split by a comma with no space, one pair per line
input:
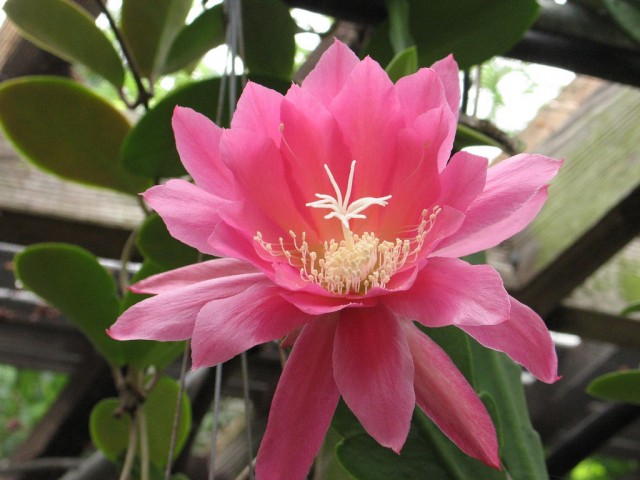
[356,263]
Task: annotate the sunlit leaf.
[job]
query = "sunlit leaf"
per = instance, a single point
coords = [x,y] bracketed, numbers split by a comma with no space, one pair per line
[473,30]
[399,30]
[617,386]
[150,148]
[403,64]
[196,39]
[71,279]
[68,31]
[66,129]
[631,308]
[150,27]
[110,432]
[269,42]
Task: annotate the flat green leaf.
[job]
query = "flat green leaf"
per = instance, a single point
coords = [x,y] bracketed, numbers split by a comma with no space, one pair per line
[617,386]
[468,137]
[150,27]
[403,64]
[65,29]
[66,129]
[196,39]
[269,41]
[158,246]
[71,279]
[627,14]
[150,148]
[631,308]
[473,30]
[521,450]
[110,433]
[143,353]
[399,30]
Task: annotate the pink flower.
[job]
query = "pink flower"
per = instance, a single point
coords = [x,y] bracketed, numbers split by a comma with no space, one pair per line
[342,217]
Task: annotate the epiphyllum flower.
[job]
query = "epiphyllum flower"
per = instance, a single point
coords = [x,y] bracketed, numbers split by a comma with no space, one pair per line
[341,218]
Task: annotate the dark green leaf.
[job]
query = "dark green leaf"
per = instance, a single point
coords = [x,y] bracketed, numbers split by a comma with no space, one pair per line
[158,246]
[143,353]
[72,280]
[110,433]
[627,14]
[617,386]
[150,148]
[399,30]
[66,30]
[150,27]
[403,64]
[196,39]
[473,30]
[269,42]
[631,308]
[66,129]
[468,137]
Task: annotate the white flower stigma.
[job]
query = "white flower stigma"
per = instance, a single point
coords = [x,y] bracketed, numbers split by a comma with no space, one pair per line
[357,263]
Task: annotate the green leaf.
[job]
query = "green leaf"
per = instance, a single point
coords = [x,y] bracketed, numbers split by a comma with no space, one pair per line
[143,353]
[66,129]
[110,433]
[269,41]
[158,246]
[403,64]
[150,27]
[473,30]
[399,30]
[63,28]
[617,386]
[468,137]
[521,449]
[631,308]
[627,14]
[72,280]
[196,39]
[150,148]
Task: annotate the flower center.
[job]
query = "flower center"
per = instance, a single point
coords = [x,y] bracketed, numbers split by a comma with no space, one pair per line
[356,263]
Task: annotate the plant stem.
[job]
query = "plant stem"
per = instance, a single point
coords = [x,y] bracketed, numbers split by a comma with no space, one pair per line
[143,94]
[131,449]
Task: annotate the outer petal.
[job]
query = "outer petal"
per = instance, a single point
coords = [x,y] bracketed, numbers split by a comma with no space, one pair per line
[331,72]
[447,70]
[198,143]
[259,111]
[302,406]
[196,273]
[446,397]
[231,325]
[463,180]
[525,338]
[448,291]
[374,372]
[189,212]
[510,200]
[172,315]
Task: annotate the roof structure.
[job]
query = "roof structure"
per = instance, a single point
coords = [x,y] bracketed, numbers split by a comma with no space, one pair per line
[574,265]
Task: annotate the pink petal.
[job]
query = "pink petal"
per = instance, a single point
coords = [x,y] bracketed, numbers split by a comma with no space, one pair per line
[374,373]
[258,110]
[198,143]
[511,198]
[369,116]
[228,326]
[463,180]
[302,406]
[331,72]
[449,291]
[185,276]
[525,338]
[314,304]
[446,397]
[189,212]
[419,93]
[172,314]
[447,70]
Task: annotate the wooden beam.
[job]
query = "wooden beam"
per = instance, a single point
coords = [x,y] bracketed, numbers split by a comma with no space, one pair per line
[597,245]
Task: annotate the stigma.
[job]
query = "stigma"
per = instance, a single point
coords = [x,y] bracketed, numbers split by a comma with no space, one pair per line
[356,263]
